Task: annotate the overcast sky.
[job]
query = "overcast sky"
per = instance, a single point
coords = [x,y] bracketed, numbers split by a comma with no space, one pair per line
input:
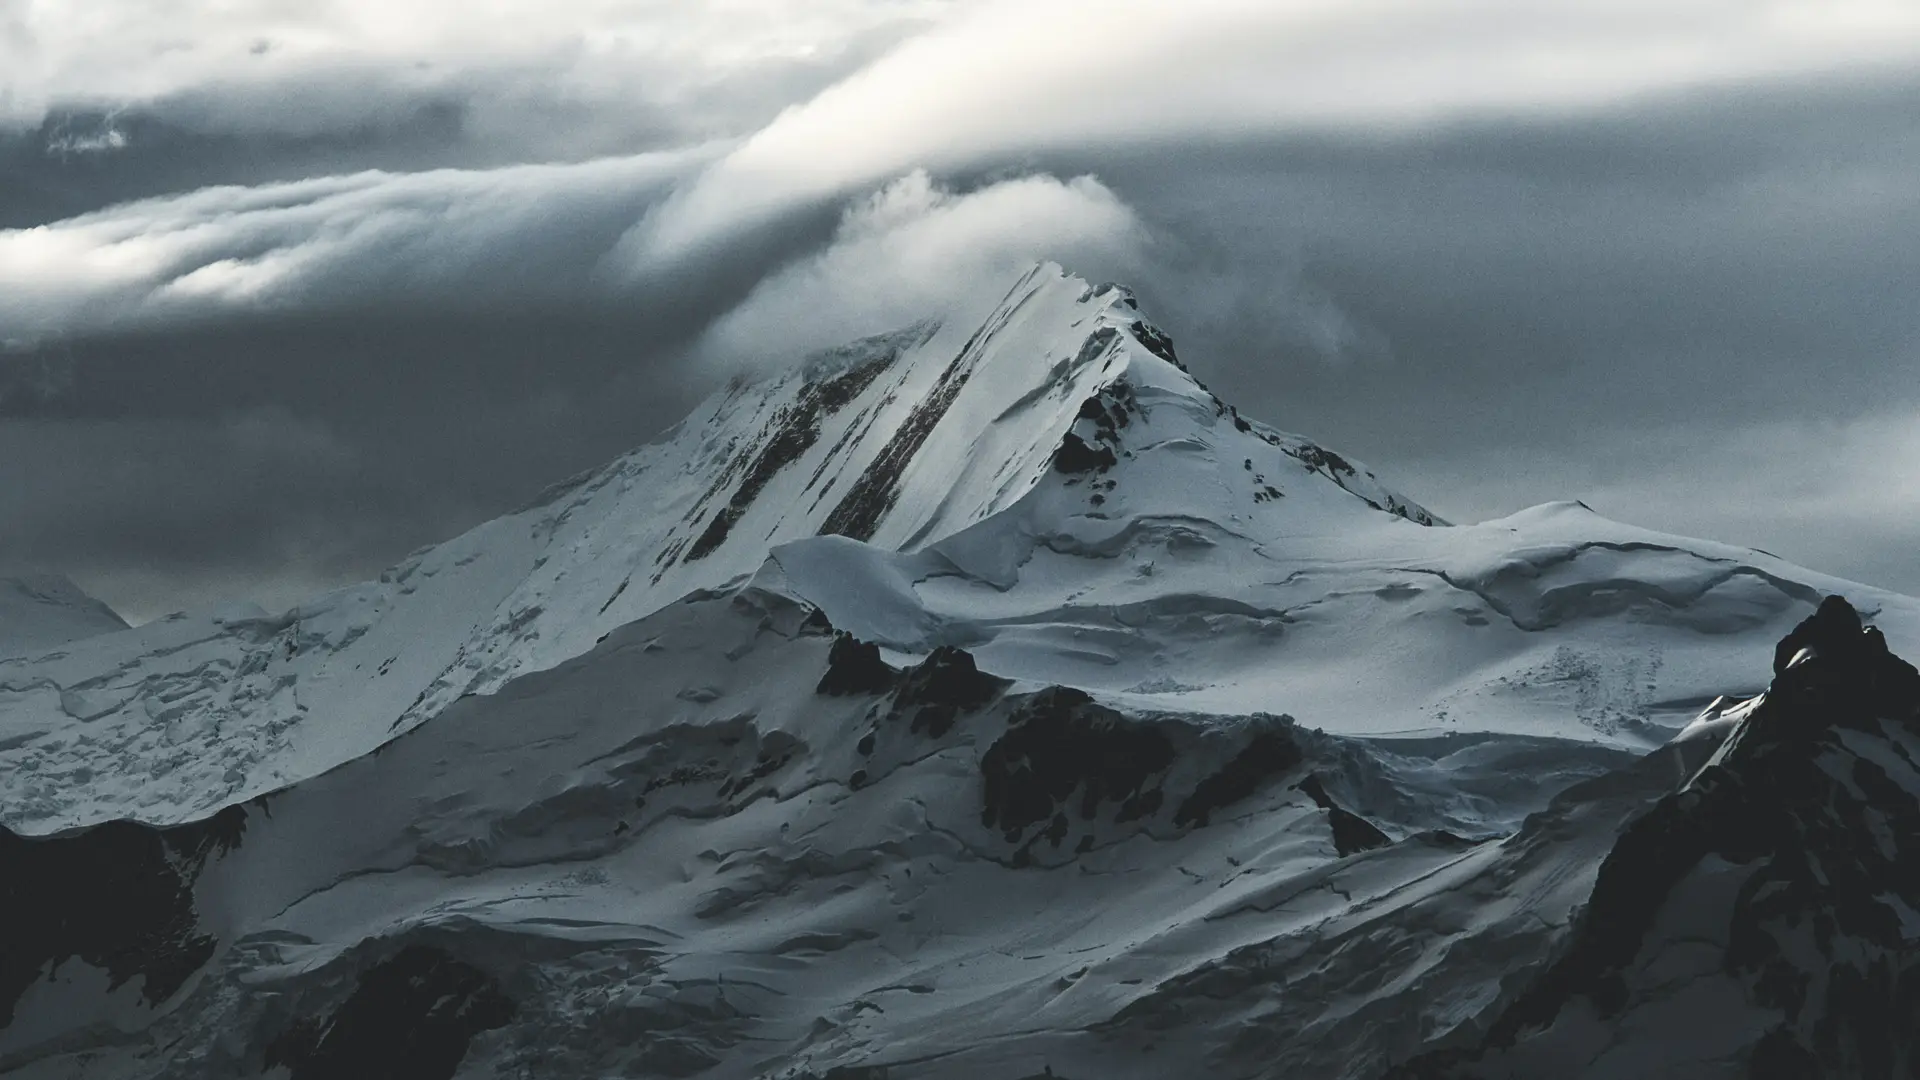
[289,289]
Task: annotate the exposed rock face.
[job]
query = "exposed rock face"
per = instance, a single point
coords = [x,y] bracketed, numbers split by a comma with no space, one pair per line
[1831,629]
[1060,744]
[794,431]
[1067,763]
[410,1018]
[854,667]
[859,512]
[118,896]
[936,691]
[1093,443]
[1156,342]
[1268,754]
[1351,832]
[1076,455]
[1763,918]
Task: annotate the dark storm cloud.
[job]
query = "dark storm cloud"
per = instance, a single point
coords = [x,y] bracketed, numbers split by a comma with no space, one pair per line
[1685,260]
[269,460]
[1694,312]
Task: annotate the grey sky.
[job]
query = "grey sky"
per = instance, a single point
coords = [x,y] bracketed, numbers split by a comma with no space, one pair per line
[1660,257]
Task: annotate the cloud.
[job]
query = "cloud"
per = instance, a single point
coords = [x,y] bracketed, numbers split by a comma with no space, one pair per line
[264,66]
[125,497]
[1015,76]
[1538,234]
[1069,76]
[530,235]
[914,248]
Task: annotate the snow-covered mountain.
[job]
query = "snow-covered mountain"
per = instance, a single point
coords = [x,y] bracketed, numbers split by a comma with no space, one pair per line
[973,701]
[898,441]
[40,611]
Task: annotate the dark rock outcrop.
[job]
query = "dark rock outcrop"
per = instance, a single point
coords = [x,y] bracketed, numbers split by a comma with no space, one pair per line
[1156,342]
[935,692]
[1058,745]
[793,430]
[411,1017]
[1093,443]
[1830,630]
[816,624]
[117,896]
[1351,832]
[1066,764]
[1809,817]
[854,667]
[1075,455]
[1266,755]
[859,512]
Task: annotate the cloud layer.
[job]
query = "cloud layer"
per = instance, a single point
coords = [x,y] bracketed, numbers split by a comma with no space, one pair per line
[531,234]
[465,253]
[913,248]
[981,86]
[269,67]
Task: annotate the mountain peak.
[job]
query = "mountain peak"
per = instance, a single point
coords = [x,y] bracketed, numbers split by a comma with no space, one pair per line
[901,441]
[978,700]
[41,611]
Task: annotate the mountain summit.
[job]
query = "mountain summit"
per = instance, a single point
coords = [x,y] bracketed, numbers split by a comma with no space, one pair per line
[984,700]
[899,441]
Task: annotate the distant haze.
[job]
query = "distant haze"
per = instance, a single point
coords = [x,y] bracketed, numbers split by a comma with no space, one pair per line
[287,291]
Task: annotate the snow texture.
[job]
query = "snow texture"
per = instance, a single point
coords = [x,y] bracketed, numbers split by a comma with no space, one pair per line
[970,701]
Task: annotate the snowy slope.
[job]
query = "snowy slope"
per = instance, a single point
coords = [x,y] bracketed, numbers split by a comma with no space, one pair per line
[1179,556]
[677,857]
[898,440]
[1763,920]
[1553,622]
[41,611]
[973,701]
[725,843]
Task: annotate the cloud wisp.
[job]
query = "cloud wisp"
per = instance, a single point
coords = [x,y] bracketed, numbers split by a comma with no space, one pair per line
[533,234]
[913,248]
[264,67]
[1010,77]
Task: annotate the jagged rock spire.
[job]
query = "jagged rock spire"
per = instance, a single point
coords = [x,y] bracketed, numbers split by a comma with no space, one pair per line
[1780,882]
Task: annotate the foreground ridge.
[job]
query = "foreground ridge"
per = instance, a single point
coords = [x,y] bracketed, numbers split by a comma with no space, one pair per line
[1761,920]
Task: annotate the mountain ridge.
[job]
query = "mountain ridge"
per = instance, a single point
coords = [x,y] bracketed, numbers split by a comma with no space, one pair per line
[1134,738]
[1766,895]
[880,437]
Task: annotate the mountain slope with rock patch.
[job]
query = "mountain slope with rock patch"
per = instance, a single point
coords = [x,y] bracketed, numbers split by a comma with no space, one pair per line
[985,699]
